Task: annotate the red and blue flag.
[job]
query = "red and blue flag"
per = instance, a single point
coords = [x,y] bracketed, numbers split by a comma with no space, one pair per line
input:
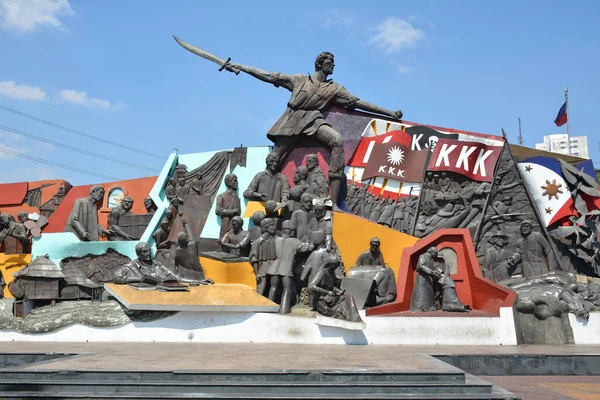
[562,117]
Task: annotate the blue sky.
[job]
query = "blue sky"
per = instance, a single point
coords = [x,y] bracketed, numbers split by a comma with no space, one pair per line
[112,69]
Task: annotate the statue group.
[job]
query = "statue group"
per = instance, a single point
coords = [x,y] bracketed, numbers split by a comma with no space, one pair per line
[290,246]
[15,236]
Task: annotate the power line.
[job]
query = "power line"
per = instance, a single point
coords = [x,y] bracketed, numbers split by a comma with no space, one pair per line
[64,128]
[83,171]
[75,149]
[72,113]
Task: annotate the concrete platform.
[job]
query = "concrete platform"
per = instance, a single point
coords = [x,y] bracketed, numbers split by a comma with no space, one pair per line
[124,371]
[215,298]
[259,356]
[261,361]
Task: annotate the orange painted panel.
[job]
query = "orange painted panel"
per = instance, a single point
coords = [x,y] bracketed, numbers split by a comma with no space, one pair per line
[352,235]
[221,272]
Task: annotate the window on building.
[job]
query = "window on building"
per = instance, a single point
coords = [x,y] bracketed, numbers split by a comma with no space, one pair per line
[114,197]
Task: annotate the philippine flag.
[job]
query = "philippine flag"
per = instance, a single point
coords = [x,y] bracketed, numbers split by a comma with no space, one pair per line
[562,116]
[546,183]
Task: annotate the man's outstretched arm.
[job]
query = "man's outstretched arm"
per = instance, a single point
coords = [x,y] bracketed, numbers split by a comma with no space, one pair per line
[366,106]
[253,71]
[275,78]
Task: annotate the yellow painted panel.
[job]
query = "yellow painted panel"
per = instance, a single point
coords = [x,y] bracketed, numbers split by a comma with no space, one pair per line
[222,272]
[9,264]
[203,295]
[352,235]
[252,207]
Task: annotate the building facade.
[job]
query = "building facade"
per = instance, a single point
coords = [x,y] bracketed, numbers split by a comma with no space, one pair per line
[558,144]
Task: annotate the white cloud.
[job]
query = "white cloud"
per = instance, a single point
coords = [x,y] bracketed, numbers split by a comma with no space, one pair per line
[8,137]
[27,15]
[394,35]
[403,69]
[21,92]
[335,18]
[82,98]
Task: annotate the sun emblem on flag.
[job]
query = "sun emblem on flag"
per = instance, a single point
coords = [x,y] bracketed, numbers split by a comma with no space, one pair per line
[552,189]
[395,156]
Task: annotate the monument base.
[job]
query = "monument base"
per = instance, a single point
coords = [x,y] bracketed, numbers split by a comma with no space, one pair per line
[249,327]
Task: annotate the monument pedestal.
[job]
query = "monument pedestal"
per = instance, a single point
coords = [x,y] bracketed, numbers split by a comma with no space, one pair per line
[212,298]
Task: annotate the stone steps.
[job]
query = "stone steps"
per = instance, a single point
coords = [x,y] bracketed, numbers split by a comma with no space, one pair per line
[24,384]
[450,375]
[323,396]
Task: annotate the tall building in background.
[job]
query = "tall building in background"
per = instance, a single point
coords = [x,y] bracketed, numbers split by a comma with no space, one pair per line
[558,144]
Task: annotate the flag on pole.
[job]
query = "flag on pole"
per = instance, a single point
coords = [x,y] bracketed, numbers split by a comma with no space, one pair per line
[562,117]
[544,178]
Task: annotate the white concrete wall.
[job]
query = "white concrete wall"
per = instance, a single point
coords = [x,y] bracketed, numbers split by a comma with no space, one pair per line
[586,332]
[274,328]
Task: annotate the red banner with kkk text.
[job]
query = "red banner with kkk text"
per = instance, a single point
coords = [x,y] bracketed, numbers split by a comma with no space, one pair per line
[473,159]
[396,161]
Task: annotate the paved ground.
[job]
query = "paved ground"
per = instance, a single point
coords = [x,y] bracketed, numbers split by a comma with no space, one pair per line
[550,387]
[177,356]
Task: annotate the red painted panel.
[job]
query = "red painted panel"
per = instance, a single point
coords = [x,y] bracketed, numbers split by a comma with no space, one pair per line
[472,288]
[12,193]
[138,189]
[297,157]
[57,221]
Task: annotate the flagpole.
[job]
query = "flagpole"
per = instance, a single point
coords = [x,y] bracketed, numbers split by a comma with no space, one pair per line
[568,121]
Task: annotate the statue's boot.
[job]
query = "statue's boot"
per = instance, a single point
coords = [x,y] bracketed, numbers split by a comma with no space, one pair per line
[273,294]
[286,302]
[335,182]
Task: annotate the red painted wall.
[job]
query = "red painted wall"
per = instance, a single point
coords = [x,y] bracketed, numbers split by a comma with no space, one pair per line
[13,194]
[472,288]
[137,189]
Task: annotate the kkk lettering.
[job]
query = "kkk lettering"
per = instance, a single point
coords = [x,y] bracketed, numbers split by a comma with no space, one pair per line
[472,159]
[423,137]
[396,161]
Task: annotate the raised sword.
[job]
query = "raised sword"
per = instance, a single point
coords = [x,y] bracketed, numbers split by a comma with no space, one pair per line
[208,56]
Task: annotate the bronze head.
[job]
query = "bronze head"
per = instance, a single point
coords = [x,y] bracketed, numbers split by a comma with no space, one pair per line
[324,62]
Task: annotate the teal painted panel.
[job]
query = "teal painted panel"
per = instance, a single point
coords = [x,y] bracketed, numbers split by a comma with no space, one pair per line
[255,162]
[62,245]
[159,197]
[65,244]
